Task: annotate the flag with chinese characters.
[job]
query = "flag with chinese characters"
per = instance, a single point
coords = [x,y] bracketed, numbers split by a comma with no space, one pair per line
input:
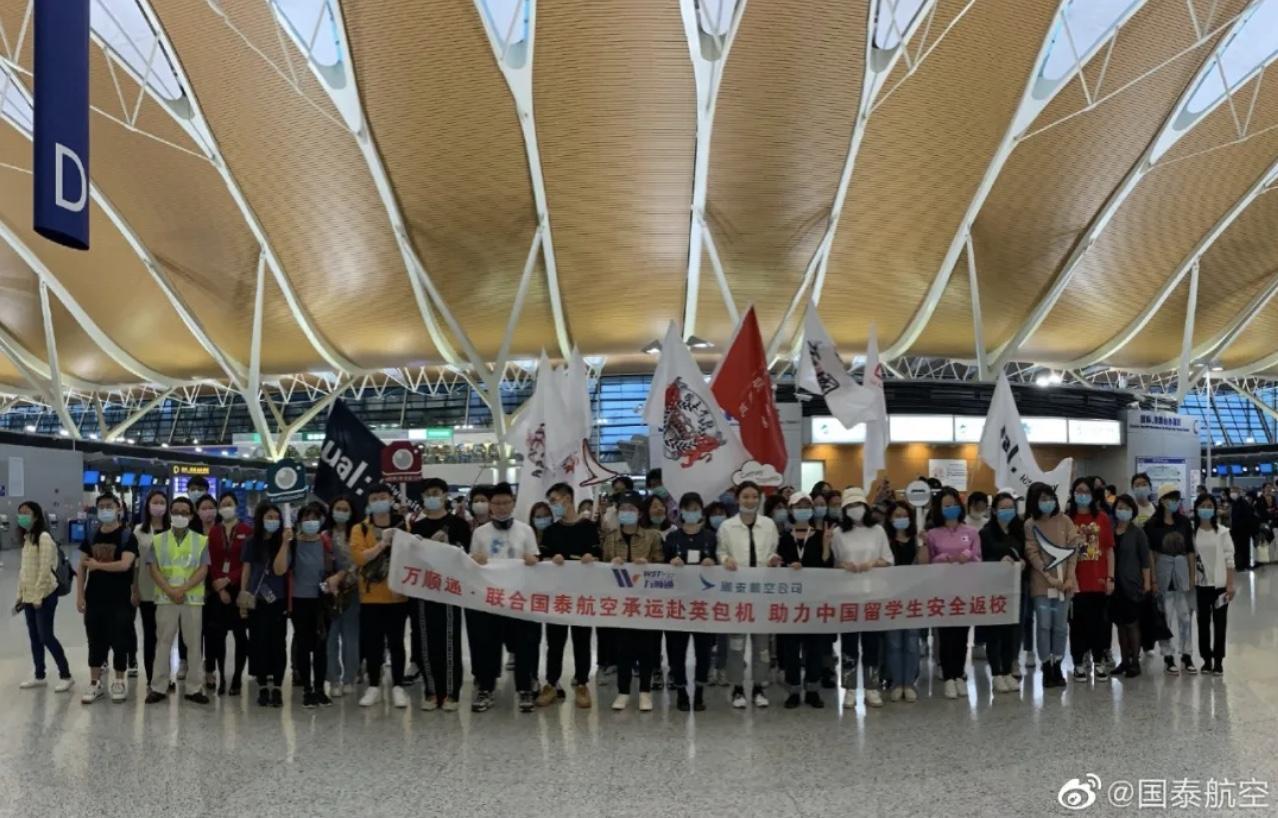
[1006,449]
[742,386]
[689,437]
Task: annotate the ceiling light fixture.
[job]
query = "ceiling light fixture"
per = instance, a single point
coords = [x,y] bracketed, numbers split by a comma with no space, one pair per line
[695,342]
[652,348]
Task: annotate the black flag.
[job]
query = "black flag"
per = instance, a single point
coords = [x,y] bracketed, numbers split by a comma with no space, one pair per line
[351,458]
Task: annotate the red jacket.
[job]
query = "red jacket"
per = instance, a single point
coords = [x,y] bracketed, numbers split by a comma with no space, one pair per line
[224,558]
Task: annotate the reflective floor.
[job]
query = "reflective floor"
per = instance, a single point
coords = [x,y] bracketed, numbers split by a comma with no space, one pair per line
[980,755]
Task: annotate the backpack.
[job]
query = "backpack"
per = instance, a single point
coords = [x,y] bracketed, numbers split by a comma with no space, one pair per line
[62,573]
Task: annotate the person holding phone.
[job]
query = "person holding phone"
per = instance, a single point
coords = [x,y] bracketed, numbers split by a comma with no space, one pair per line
[265,596]
[38,595]
[1215,569]
[104,586]
[690,543]
[178,563]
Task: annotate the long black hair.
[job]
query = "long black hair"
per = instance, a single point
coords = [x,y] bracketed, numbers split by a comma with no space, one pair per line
[38,524]
[1085,482]
[265,546]
[146,510]
[938,513]
[1034,495]
[1205,500]
[356,514]
[912,531]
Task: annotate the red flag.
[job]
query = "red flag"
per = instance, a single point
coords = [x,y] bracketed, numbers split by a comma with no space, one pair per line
[742,386]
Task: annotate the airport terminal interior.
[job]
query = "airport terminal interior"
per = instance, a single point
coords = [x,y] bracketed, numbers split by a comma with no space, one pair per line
[638,407]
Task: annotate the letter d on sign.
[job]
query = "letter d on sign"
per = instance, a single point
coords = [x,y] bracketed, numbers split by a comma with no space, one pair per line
[61,136]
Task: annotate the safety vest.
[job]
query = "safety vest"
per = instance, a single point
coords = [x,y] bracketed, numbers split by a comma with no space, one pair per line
[177,561]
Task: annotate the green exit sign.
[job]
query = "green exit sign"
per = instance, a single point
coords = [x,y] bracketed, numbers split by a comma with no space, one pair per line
[439,433]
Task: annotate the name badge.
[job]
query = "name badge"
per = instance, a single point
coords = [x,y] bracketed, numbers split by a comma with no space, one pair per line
[694,556]
[226,566]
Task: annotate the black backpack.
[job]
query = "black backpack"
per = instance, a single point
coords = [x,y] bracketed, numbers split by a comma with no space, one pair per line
[62,573]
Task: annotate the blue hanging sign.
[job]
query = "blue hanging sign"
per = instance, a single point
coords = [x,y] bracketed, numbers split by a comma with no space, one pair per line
[61,136]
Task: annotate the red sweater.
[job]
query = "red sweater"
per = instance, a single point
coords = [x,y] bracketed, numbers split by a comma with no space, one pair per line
[1093,557]
[224,558]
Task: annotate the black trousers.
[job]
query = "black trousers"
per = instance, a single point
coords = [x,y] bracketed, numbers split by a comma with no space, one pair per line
[107,625]
[1002,644]
[953,651]
[381,630]
[634,646]
[556,638]
[488,632]
[149,638]
[1212,624]
[310,634]
[268,634]
[1089,626]
[219,620]
[1242,552]
[605,647]
[803,659]
[437,643]
[677,655]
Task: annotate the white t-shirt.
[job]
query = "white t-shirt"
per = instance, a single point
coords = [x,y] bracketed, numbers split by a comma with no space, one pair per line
[512,543]
[862,544]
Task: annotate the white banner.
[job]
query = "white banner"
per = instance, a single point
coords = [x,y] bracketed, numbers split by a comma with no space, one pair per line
[710,600]
[1005,448]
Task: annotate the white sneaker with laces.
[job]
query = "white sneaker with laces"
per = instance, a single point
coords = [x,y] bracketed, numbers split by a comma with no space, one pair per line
[897,694]
[92,694]
[398,697]
[371,697]
[911,694]
[849,698]
[119,690]
[873,698]
[760,700]
[739,700]
[33,683]
[63,685]
[621,702]
[951,689]
[645,702]
[428,703]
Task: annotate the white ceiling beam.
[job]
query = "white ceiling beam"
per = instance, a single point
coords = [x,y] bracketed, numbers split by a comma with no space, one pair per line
[116,432]
[1103,217]
[253,387]
[978,321]
[304,321]
[42,386]
[1187,341]
[1030,105]
[707,72]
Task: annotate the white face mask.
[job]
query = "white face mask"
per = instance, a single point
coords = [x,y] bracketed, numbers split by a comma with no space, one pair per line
[479,509]
[227,512]
[856,513]
[180,521]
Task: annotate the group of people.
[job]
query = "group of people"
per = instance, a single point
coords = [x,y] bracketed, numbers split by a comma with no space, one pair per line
[1144,565]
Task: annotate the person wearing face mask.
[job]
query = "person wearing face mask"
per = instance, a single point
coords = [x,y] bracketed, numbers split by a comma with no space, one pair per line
[978,514]
[657,517]
[748,540]
[691,543]
[1052,582]
[505,538]
[1089,628]
[480,497]
[901,647]
[1243,526]
[802,655]
[38,596]
[715,513]
[634,544]
[383,613]
[311,564]
[155,521]
[343,626]
[439,625]
[775,507]
[104,586]
[179,562]
[1214,572]
[196,489]
[570,538]
[858,546]
[264,595]
[657,488]
[1171,539]
[1003,540]
[1143,494]
[1132,582]
[227,536]
[951,540]
[205,517]
[621,486]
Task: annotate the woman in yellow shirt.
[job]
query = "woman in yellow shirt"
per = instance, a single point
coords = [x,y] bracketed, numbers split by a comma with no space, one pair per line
[38,595]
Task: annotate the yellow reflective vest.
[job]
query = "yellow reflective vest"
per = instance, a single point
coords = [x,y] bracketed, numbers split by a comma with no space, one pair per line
[178,561]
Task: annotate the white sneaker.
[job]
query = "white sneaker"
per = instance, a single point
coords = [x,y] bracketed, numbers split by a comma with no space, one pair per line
[1000,684]
[645,702]
[873,698]
[911,695]
[348,690]
[951,689]
[63,685]
[450,705]
[621,702]
[398,697]
[371,697]
[849,698]
[335,690]
[760,700]
[32,683]
[897,694]
[92,694]
[739,700]
[119,690]
[428,702]
[1010,685]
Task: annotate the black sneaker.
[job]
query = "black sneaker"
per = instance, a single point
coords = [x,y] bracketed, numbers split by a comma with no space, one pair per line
[793,701]
[264,697]
[198,697]
[1080,672]
[1102,672]
[527,703]
[152,697]
[813,699]
[133,667]
[308,700]
[482,703]
[699,700]
[681,700]
[1187,663]
[277,697]
[235,688]
[1218,669]
[297,680]
[1170,662]
[322,699]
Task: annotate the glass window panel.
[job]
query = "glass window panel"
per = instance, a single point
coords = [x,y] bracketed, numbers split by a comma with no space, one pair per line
[892,19]
[125,30]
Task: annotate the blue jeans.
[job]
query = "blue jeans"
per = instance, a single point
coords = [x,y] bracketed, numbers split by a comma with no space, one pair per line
[1050,614]
[40,631]
[902,648]
[343,646]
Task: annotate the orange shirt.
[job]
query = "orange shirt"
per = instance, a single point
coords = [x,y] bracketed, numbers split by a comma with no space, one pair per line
[364,537]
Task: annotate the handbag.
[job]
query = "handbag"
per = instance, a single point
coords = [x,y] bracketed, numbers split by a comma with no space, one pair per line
[246,601]
[1262,552]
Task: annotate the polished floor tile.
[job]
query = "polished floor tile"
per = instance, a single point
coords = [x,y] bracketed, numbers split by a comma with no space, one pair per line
[978,755]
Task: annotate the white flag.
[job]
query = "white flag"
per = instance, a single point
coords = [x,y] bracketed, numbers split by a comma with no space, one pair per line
[579,466]
[874,452]
[822,373]
[541,437]
[1006,449]
[689,436]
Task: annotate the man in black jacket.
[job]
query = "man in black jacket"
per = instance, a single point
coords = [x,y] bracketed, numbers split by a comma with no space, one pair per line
[568,538]
[1243,526]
